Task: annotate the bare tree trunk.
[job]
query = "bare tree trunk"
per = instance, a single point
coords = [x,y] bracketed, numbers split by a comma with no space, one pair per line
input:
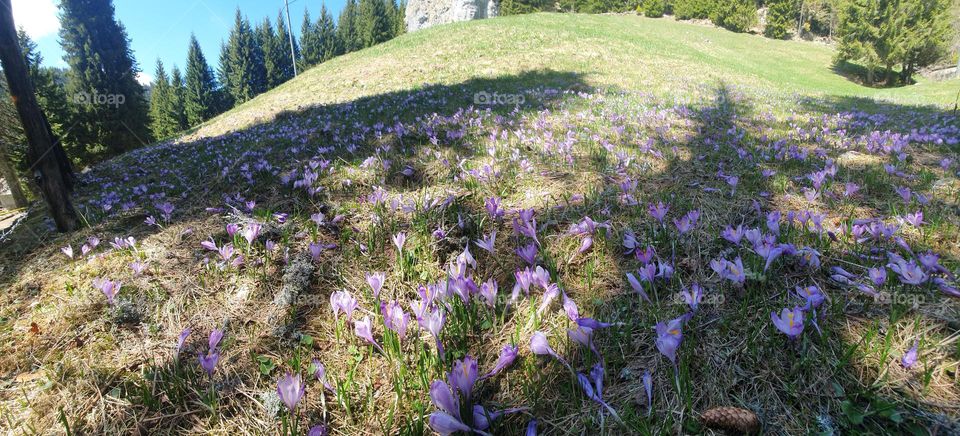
[45,153]
[8,174]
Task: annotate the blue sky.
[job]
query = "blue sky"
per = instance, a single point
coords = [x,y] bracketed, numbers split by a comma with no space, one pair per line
[161,29]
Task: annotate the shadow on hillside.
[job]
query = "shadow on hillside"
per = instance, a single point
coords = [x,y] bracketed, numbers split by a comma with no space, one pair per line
[859,74]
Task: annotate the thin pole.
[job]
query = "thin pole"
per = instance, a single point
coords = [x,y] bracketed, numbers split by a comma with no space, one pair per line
[293,53]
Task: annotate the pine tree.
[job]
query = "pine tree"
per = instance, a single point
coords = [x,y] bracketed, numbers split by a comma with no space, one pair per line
[102,70]
[272,63]
[177,97]
[247,75]
[326,31]
[373,25]
[200,89]
[347,35]
[310,48]
[224,72]
[928,35]
[283,60]
[780,18]
[51,95]
[693,9]
[735,15]
[400,22]
[163,123]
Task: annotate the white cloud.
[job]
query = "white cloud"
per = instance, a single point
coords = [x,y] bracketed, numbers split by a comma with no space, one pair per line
[38,17]
[144,78]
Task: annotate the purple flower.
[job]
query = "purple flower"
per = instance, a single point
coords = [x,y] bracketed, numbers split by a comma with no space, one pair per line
[637,287]
[570,308]
[540,346]
[68,251]
[790,322]
[376,280]
[914,219]
[910,357]
[399,239]
[531,428]
[693,296]
[343,301]
[290,388]
[850,189]
[646,255]
[251,232]
[209,245]
[318,430]
[658,211]
[687,222]
[464,376]
[109,288]
[232,229]
[507,355]
[488,291]
[492,205]
[904,193]
[443,397]
[732,271]
[445,424]
[394,318]
[878,275]
[215,336]
[487,242]
[733,235]
[528,253]
[910,273]
[320,372]
[182,338]
[648,386]
[138,267]
[669,336]
[363,330]
[812,295]
[209,361]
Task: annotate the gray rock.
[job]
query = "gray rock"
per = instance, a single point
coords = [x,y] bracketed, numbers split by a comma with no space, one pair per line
[425,13]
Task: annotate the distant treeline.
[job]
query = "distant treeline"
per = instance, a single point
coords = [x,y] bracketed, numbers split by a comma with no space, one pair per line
[97,108]
[893,37]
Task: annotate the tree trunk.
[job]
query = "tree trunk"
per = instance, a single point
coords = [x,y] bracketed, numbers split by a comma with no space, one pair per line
[8,174]
[888,75]
[45,154]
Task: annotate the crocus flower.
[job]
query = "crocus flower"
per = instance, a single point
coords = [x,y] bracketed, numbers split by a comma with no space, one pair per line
[232,229]
[363,330]
[138,267]
[492,205]
[592,393]
[318,430]
[693,296]
[528,253]
[464,376]
[399,239]
[790,322]
[487,242]
[68,251]
[637,287]
[320,372]
[109,288]
[182,338]
[215,336]
[669,336]
[209,361]
[376,280]
[433,322]
[878,276]
[540,346]
[733,235]
[251,232]
[658,211]
[687,222]
[394,318]
[812,295]
[290,388]
[648,386]
[910,273]
[531,428]
[910,357]
[732,271]
[343,301]
[507,355]
[488,291]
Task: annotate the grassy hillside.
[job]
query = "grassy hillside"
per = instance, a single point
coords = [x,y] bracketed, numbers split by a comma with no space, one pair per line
[661,56]
[652,199]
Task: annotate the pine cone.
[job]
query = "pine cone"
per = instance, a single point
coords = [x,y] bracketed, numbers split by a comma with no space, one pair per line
[732,419]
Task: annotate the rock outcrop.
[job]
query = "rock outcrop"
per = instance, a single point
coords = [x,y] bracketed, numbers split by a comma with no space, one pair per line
[425,13]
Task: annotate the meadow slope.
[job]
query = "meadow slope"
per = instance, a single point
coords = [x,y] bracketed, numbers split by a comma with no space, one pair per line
[652,219]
